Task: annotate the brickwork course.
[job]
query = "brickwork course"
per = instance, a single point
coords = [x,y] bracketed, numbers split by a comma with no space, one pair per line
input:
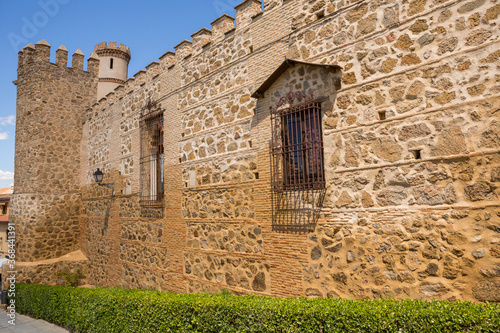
[409,95]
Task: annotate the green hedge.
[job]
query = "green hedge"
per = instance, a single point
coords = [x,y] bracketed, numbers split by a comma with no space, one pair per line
[121,310]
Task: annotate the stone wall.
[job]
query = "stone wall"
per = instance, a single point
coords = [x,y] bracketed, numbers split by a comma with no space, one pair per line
[239,274]
[51,103]
[410,132]
[445,254]
[397,223]
[410,140]
[47,224]
[47,271]
[124,241]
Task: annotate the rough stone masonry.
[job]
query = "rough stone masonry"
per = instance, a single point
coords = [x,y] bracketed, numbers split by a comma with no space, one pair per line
[409,93]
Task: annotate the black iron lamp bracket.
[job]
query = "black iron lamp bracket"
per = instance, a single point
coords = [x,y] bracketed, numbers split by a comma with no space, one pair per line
[109,185]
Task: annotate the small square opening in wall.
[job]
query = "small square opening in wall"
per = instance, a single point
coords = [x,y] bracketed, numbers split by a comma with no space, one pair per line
[256,174]
[320,15]
[417,154]
[382,115]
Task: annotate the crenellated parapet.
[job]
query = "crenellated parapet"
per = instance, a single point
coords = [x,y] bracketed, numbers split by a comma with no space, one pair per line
[78,57]
[120,92]
[130,85]
[113,49]
[140,77]
[201,38]
[93,63]
[271,4]
[26,56]
[226,40]
[40,52]
[43,50]
[221,25]
[62,56]
[207,51]
[49,149]
[183,49]
[152,70]
[245,12]
[110,98]
[167,60]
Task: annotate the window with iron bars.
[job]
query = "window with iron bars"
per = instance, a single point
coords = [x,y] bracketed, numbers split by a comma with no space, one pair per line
[297,148]
[297,170]
[152,160]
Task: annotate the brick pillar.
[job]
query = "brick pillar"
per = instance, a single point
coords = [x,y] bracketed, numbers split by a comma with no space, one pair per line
[114,236]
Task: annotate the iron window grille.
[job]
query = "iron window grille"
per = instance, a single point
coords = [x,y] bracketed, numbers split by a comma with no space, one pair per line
[297,164]
[152,157]
[297,148]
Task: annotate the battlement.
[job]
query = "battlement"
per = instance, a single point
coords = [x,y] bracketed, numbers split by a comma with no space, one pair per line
[202,41]
[40,52]
[201,38]
[183,49]
[119,92]
[221,25]
[113,49]
[152,70]
[245,12]
[167,60]
[129,85]
[140,77]
[223,28]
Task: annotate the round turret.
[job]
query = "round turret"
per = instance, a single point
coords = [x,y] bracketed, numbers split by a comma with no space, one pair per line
[113,66]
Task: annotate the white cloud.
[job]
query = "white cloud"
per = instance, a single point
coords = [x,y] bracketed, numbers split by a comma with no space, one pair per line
[4,135]
[10,120]
[6,175]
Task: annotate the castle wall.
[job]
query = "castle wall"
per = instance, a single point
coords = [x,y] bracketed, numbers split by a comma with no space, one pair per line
[51,104]
[395,226]
[416,76]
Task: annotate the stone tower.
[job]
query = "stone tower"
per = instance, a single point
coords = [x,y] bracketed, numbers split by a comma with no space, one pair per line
[113,66]
[52,100]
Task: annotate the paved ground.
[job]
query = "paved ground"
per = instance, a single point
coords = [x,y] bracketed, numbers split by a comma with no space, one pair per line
[26,324]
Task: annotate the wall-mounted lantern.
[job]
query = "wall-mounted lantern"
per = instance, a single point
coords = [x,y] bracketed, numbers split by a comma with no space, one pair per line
[98,175]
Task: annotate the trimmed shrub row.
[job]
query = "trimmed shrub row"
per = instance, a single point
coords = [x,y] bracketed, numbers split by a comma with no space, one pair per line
[121,310]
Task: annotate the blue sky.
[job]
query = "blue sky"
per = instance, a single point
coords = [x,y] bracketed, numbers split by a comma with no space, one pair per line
[148,27]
